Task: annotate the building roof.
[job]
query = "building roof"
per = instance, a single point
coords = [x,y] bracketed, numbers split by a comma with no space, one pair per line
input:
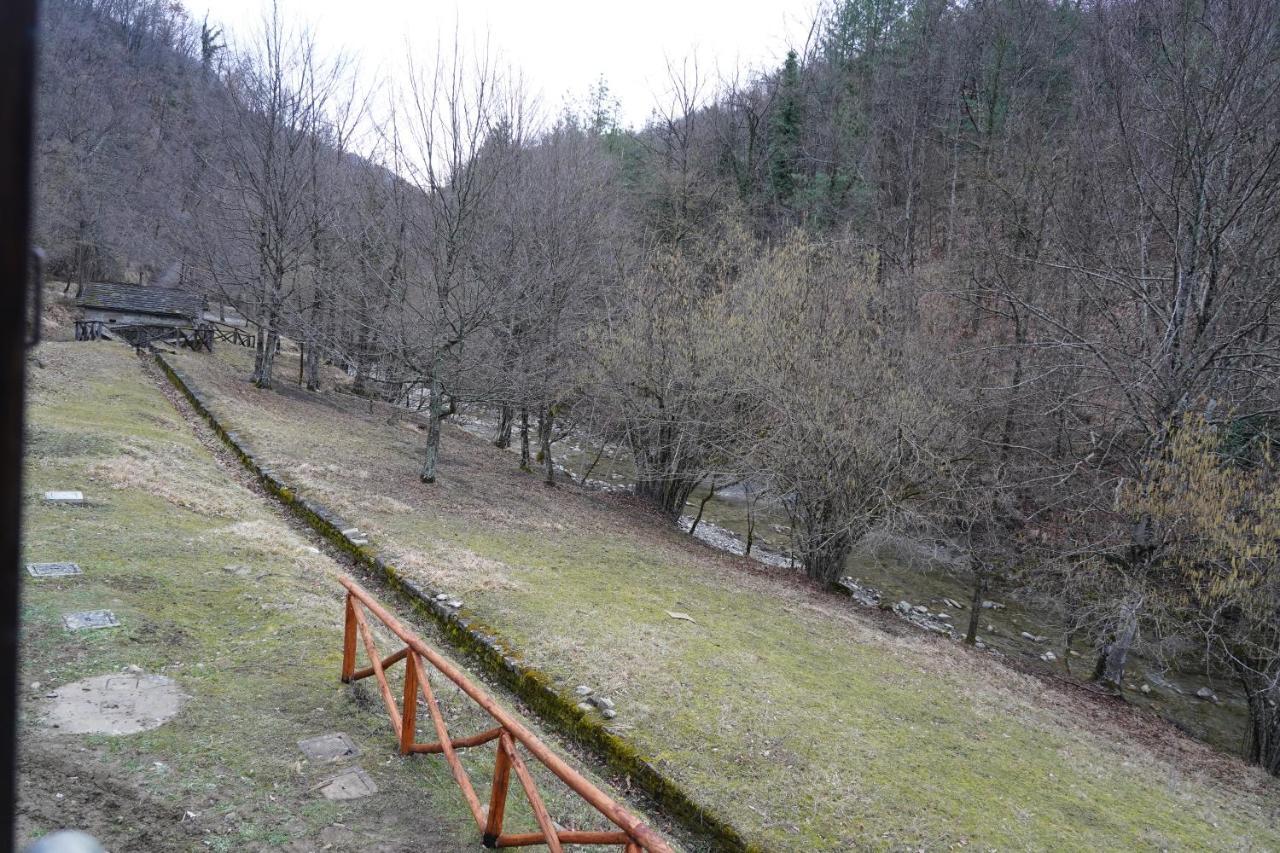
[139,299]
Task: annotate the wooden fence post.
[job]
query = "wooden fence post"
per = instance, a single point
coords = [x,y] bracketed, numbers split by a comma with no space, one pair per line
[409,716]
[498,797]
[349,641]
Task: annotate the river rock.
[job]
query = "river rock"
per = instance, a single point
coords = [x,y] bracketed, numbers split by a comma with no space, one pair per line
[1207,695]
[992,605]
[953,604]
[1048,657]
[1026,635]
[583,690]
[603,703]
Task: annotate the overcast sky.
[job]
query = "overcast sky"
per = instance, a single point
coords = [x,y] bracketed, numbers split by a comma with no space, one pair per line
[560,46]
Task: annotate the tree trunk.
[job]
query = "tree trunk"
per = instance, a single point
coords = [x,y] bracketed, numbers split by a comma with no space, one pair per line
[711,493]
[668,494]
[506,418]
[1109,672]
[1262,739]
[434,417]
[980,583]
[524,439]
[312,367]
[544,429]
[265,349]
[825,561]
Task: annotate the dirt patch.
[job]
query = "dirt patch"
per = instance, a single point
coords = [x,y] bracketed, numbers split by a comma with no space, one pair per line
[60,789]
[115,704]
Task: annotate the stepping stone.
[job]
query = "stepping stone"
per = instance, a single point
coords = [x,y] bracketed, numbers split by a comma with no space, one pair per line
[90,620]
[53,570]
[64,498]
[326,749]
[350,784]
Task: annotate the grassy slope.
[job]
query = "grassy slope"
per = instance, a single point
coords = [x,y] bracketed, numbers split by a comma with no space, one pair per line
[215,590]
[806,724]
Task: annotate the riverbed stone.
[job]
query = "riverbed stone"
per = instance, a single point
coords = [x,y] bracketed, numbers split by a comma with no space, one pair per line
[1207,695]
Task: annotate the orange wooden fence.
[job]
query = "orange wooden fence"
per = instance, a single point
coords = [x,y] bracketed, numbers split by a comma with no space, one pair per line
[419,660]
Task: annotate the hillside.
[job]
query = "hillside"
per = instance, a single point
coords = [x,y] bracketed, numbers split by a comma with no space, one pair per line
[809,724]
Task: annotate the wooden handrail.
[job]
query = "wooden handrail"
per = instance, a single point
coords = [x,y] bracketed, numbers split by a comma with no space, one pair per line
[419,659]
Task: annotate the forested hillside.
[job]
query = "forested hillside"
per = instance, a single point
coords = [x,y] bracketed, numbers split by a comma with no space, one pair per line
[995,276]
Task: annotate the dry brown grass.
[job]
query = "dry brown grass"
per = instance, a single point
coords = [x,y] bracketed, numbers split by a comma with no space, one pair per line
[166,474]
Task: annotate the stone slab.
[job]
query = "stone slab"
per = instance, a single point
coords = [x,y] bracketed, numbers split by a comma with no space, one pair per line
[114,704]
[53,570]
[350,784]
[90,620]
[67,498]
[328,748]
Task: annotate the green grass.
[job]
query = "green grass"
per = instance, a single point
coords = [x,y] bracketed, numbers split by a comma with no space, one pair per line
[782,708]
[215,591]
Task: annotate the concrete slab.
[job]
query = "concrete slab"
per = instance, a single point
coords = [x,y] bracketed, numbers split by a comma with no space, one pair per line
[90,620]
[118,704]
[53,570]
[67,498]
[326,749]
[350,784]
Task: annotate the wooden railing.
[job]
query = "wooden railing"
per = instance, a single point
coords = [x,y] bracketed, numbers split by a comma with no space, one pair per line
[419,659]
[233,335]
